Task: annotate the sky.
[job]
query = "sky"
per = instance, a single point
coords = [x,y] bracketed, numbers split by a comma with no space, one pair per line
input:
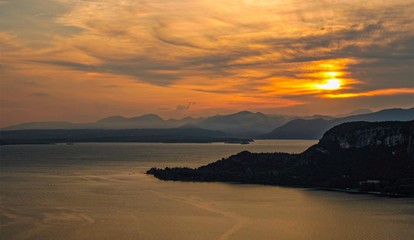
[82,60]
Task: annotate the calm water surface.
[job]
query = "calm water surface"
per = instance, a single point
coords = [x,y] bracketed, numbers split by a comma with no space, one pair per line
[100,191]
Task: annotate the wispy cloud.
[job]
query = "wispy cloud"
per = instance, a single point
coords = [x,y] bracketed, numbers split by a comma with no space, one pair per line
[380,92]
[184,107]
[241,52]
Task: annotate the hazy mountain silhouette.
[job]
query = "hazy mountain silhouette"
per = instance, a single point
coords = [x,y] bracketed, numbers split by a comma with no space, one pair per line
[243,123]
[142,122]
[356,112]
[240,124]
[300,129]
[146,121]
[314,128]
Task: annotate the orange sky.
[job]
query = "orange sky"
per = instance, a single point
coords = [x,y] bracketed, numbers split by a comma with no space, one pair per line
[80,61]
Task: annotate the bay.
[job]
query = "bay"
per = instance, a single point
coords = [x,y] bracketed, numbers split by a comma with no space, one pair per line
[101,191]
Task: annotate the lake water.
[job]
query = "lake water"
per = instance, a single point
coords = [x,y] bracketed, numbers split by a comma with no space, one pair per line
[100,191]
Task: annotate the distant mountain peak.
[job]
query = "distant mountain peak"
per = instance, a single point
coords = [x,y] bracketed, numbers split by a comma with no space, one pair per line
[112,119]
[148,117]
[247,113]
[243,113]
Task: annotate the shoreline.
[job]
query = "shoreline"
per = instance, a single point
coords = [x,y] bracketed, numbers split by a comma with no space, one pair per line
[356,191]
[308,188]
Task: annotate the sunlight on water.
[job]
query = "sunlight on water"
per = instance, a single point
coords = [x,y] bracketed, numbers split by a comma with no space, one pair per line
[100,191]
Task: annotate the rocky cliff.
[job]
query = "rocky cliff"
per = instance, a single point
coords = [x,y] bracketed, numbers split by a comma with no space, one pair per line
[362,156]
[377,134]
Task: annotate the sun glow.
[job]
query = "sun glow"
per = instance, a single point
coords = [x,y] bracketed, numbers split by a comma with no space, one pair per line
[331,74]
[330,84]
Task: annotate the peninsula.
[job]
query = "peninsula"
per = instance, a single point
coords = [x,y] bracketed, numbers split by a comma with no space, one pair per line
[374,157]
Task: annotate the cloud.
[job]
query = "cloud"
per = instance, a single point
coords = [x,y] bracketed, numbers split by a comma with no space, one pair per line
[112,86]
[199,39]
[233,53]
[181,108]
[16,14]
[385,92]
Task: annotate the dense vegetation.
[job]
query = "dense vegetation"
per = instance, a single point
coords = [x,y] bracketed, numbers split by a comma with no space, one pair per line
[357,156]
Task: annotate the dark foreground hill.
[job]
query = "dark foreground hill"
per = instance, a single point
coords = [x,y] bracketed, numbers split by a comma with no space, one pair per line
[358,156]
[314,128]
[185,134]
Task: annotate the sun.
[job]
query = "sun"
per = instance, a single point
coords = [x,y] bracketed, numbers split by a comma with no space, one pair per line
[330,84]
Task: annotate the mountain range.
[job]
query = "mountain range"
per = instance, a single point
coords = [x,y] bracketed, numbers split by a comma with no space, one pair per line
[147,121]
[241,124]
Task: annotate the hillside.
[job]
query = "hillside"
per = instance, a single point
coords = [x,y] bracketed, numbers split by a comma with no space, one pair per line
[314,128]
[361,156]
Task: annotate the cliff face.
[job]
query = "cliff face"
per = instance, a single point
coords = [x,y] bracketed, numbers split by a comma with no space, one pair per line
[360,155]
[363,134]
